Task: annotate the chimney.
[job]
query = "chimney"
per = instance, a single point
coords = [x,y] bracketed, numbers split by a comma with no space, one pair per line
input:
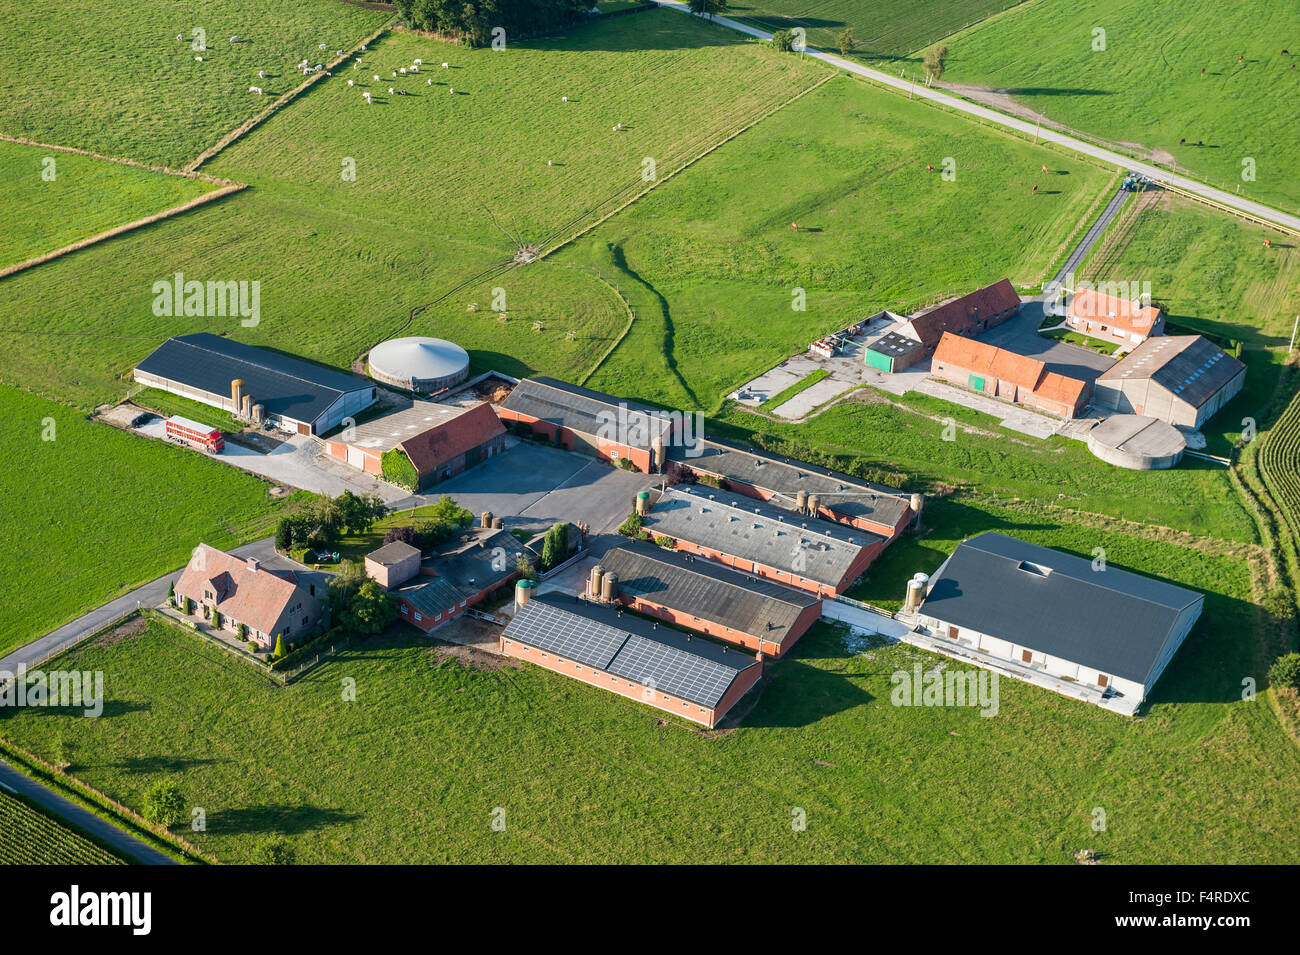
[252,564]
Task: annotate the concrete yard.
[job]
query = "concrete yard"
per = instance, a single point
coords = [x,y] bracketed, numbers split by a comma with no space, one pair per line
[1020,335]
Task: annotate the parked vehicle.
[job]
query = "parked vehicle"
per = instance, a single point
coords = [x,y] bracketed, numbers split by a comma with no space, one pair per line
[195,434]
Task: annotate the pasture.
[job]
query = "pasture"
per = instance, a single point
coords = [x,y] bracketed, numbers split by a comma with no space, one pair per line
[30,837]
[883,28]
[115,80]
[93,512]
[711,262]
[414,768]
[61,198]
[1145,92]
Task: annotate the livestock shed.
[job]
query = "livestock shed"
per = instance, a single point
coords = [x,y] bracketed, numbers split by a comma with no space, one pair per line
[1044,611]
[437,441]
[798,486]
[256,384]
[1112,318]
[423,365]
[638,659]
[893,352]
[700,595]
[1004,374]
[588,421]
[458,574]
[764,541]
[1181,379]
[969,315]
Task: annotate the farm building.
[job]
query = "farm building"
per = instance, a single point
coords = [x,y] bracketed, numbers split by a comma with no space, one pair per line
[756,538]
[709,598]
[423,365]
[1137,442]
[893,352]
[268,603]
[454,576]
[607,648]
[1109,632]
[589,421]
[393,564]
[968,315]
[1111,318]
[438,441]
[1003,374]
[1181,379]
[800,487]
[255,384]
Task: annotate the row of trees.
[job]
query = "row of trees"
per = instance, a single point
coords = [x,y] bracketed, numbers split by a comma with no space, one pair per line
[474,20]
[326,519]
[444,519]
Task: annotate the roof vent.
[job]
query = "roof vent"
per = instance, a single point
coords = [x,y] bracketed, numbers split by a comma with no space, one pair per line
[1030,567]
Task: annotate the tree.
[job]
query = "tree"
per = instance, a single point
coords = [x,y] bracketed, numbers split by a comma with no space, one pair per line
[273,850]
[406,535]
[163,803]
[473,20]
[284,534]
[1285,671]
[344,585]
[708,8]
[356,514]
[783,40]
[279,653]
[555,545]
[846,41]
[370,610]
[527,569]
[933,60]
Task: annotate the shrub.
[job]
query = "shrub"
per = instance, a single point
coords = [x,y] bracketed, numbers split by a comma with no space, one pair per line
[632,526]
[253,646]
[407,535]
[783,40]
[243,631]
[1285,671]
[626,464]
[279,647]
[667,543]
[273,850]
[396,468]
[283,535]
[163,803]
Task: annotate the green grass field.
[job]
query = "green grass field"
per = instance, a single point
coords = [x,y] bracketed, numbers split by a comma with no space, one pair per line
[1146,87]
[96,511]
[114,79]
[710,268]
[84,198]
[882,28]
[29,837]
[412,771]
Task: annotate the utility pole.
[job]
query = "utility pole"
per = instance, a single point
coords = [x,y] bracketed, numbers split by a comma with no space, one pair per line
[1294,326]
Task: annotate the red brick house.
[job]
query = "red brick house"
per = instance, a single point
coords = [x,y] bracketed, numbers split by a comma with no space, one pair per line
[1111,318]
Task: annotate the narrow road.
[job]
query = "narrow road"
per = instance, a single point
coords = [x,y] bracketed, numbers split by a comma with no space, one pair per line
[1267,213]
[125,843]
[1089,240]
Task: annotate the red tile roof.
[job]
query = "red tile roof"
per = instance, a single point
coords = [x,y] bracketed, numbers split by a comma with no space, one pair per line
[961,313]
[444,442]
[255,598]
[1121,313]
[1028,373]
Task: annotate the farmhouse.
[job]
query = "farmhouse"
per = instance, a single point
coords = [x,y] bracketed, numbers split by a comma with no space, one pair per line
[800,487]
[607,648]
[437,442]
[1003,374]
[268,603]
[589,421]
[1181,379]
[703,596]
[1112,318]
[756,538]
[453,577]
[968,315]
[255,384]
[1044,611]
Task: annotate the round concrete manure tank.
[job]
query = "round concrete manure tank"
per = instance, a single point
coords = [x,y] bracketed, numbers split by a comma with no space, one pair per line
[419,364]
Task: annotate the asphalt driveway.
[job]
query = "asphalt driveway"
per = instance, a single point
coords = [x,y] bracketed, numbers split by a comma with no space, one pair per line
[1020,335]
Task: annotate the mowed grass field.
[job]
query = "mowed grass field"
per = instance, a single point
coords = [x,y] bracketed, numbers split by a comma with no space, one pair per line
[60,198]
[113,78]
[413,770]
[1146,87]
[91,512]
[711,261]
[29,837]
[882,28]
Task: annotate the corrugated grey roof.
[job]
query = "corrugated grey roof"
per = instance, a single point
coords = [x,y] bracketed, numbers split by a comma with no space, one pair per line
[1191,367]
[584,411]
[1111,620]
[626,645]
[285,386]
[463,566]
[756,531]
[841,493]
[707,590]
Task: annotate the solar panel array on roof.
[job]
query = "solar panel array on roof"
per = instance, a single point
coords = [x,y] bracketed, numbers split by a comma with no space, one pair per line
[546,627]
[655,664]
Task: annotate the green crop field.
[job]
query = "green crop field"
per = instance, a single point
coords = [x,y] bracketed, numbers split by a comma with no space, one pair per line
[413,770]
[710,267]
[1145,91]
[94,511]
[61,198]
[29,837]
[882,28]
[113,78]
[1279,464]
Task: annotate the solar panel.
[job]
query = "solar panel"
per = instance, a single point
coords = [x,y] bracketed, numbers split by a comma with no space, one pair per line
[567,634]
[672,671]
